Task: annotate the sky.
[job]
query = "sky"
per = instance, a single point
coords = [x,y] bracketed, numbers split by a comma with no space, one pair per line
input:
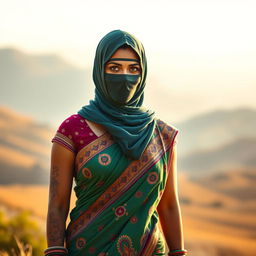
[201,54]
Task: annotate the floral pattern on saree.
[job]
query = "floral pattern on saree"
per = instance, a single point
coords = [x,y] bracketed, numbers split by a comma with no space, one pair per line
[111,199]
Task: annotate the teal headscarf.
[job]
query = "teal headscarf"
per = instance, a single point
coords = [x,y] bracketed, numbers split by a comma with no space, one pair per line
[131,125]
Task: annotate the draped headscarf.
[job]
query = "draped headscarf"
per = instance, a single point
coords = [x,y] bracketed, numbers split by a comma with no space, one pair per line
[130,125]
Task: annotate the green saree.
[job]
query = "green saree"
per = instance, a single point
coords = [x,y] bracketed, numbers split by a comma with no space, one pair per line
[117,197]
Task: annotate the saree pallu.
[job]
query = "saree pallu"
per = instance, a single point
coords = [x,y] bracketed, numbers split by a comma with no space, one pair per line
[117,198]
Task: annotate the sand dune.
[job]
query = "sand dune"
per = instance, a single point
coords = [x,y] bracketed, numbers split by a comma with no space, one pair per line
[209,230]
[216,223]
[205,235]
[200,195]
[24,144]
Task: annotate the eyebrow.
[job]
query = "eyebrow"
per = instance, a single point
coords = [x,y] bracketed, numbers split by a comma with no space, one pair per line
[112,62]
[124,59]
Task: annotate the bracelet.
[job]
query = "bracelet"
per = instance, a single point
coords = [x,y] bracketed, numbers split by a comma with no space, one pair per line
[56,250]
[178,252]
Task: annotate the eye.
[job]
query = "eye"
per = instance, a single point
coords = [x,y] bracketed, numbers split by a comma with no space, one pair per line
[135,69]
[114,68]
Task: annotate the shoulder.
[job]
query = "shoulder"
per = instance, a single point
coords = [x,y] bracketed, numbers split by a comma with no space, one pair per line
[73,133]
[165,126]
[70,122]
[168,131]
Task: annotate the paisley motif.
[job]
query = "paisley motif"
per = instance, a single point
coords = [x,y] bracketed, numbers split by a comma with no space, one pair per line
[125,247]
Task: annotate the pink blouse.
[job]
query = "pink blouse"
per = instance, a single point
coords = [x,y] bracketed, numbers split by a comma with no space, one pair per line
[74,133]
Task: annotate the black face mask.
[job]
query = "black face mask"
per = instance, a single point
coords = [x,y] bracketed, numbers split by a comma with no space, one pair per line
[121,87]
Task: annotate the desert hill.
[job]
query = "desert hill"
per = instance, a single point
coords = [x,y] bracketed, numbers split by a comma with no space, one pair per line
[216,222]
[217,128]
[238,184]
[24,148]
[238,153]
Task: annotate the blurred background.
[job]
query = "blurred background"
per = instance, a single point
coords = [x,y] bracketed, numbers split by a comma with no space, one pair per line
[201,79]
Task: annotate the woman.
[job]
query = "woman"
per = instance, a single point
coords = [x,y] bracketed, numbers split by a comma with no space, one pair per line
[123,161]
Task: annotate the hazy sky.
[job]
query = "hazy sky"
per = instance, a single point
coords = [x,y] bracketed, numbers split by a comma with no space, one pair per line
[201,54]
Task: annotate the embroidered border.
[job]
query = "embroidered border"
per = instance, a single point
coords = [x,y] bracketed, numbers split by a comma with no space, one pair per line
[64,140]
[130,175]
[151,243]
[92,149]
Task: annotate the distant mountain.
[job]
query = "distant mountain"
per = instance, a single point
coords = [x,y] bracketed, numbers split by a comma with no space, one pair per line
[24,149]
[237,184]
[239,153]
[25,146]
[214,129]
[32,83]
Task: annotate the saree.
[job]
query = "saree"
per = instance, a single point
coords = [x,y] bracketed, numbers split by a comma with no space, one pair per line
[117,197]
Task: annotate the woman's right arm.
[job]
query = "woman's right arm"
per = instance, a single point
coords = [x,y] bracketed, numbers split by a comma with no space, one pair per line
[61,177]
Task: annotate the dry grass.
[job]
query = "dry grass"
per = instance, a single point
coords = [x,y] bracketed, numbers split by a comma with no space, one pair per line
[23,249]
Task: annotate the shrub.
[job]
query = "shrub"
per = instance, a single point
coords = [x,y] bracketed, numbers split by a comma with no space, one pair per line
[21,233]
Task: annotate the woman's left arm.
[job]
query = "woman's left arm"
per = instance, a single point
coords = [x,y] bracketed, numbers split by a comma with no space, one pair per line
[169,208]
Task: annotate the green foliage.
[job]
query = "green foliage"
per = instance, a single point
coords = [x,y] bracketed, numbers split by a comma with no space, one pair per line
[18,231]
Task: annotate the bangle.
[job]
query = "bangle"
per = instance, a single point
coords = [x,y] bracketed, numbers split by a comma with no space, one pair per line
[55,250]
[180,252]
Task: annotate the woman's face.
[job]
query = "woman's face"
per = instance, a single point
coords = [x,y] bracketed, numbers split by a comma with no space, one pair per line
[128,66]
[122,75]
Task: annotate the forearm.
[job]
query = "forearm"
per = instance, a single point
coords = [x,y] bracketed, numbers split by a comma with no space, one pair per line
[171,222]
[56,226]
